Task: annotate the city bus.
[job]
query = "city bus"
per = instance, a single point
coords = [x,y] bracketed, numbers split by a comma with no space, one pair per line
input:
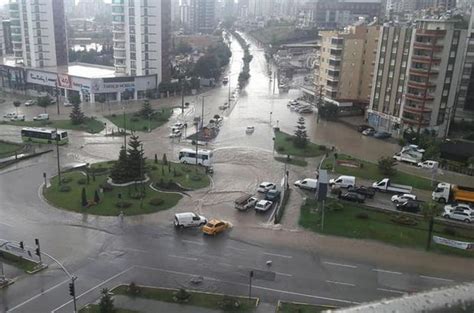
[188,156]
[44,135]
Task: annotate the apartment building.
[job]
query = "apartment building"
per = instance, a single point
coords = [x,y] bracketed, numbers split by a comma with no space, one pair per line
[38,32]
[435,4]
[139,31]
[346,62]
[416,76]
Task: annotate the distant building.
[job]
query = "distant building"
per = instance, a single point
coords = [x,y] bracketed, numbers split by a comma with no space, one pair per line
[7,37]
[345,65]
[399,6]
[39,35]
[92,8]
[435,4]
[70,7]
[202,16]
[416,77]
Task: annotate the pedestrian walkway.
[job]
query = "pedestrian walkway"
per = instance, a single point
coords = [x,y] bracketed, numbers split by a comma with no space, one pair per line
[151,306]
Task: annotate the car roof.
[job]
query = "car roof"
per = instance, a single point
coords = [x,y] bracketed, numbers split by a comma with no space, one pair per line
[214,221]
[266,183]
[263,202]
[185,214]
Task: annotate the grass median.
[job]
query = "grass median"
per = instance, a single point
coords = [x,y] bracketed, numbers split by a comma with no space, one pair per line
[367,170]
[90,125]
[9,148]
[16,261]
[194,298]
[136,122]
[284,145]
[291,307]
[347,219]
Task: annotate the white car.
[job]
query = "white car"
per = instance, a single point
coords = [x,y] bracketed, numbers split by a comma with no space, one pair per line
[458,207]
[20,117]
[175,133]
[265,186]
[250,129]
[178,125]
[460,215]
[67,104]
[398,199]
[428,164]
[10,115]
[30,103]
[307,183]
[41,117]
[189,219]
[263,205]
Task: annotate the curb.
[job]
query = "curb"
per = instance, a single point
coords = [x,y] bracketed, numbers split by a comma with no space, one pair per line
[39,269]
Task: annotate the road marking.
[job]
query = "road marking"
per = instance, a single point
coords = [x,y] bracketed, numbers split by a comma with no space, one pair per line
[279,255]
[182,257]
[436,278]
[38,295]
[96,286]
[339,264]
[225,264]
[283,274]
[238,249]
[137,250]
[391,290]
[5,224]
[339,283]
[253,286]
[193,242]
[385,271]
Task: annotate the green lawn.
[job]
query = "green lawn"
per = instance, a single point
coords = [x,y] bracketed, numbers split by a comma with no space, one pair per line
[188,176]
[292,161]
[198,299]
[9,148]
[94,308]
[21,263]
[344,219]
[135,122]
[91,125]
[284,145]
[370,171]
[289,307]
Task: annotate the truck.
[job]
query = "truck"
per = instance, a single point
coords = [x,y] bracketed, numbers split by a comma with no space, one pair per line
[446,192]
[407,157]
[387,186]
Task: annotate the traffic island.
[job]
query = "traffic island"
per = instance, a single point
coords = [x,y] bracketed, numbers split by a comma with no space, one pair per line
[357,221]
[296,307]
[139,121]
[285,145]
[90,124]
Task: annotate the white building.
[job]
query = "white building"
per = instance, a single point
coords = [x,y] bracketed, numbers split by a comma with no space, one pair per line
[137,36]
[39,33]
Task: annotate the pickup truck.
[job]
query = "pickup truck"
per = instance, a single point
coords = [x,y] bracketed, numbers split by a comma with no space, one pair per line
[386,185]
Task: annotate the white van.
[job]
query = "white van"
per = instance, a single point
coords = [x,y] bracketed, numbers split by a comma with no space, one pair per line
[41,117]
[343,181]
[307,183]
[189,219]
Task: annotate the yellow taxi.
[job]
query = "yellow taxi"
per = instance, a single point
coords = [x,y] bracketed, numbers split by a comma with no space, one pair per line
[215,226]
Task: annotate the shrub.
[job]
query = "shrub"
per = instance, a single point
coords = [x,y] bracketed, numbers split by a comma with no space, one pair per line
[154,168]
[449,231]
[323,148]
[123,205]
[156,201]
[335,206]
[111,162]
[182,295]
[404,220]
[82,181]
[145,128]
[134,119]
[114,115]
[288,138]
[137,195]
[133,289]
[362,216]
[106,187]
[66,180]
[280,148]
[229,303]
[65,188]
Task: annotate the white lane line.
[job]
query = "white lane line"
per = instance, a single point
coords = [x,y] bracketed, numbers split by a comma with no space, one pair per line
[339,283]
[38,295]
[182,257]
[193,242]
[237,249]
[283,274]
[279,255]
[137,250]
[339,264]
[391,290]
[5,224]
[225,264]
[436,278]
[385,271]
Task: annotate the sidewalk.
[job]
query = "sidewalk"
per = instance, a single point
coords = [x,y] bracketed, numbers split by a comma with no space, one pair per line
[151,306]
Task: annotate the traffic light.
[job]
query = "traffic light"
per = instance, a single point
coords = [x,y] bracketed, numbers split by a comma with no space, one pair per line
[37,242]
[22,245]
[72,290]
[37,251]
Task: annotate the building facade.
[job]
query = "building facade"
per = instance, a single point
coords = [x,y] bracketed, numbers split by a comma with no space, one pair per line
[435,4]
[7,37]
[39,33]
[345,65]
[138,29]
[416,77]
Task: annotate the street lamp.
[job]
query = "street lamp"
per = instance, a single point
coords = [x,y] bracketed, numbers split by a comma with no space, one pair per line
[271,118]
[57,156]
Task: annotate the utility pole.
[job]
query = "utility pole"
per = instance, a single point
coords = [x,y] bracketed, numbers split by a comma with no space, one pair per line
[250,284]
[196,141]
[182,98]
[57,156]
[57,96]
[202,113]
[72,291]
[124,129]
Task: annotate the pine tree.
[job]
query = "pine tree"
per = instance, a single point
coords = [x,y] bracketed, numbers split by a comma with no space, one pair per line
[146,110]
[136,161]
[120,171]
[106,304]
[84,197]
[301,137]
[77,116]
[96,197]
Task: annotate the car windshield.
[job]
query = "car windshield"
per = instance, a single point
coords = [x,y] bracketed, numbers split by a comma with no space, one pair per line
[210,224]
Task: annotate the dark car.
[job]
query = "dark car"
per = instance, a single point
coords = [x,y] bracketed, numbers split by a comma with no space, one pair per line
[382,135]
[361,128]
[272,195]
[352,196]
[409,206]
[368,192]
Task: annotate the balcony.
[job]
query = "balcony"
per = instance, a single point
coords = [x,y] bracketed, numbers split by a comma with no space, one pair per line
[427,46]
[420,85]
[423,72]
[119,54]
[330,88]
[411,121]
[431,33]
[419,97]
[425,59]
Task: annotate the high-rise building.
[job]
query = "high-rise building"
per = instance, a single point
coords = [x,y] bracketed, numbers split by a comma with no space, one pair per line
[346,61]
[138,29]
[7,37]
[435,4]
[39,32]
[202,16]
[399,6]
[416,76]
[70,7]
[2,41]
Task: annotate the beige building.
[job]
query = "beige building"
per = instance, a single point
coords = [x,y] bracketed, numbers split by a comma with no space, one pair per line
[346,61]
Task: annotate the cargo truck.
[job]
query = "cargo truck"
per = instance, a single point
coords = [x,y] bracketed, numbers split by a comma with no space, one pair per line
[446,192]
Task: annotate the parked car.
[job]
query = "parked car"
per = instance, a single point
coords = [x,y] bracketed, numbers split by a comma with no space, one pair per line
[175,133]
[458,207]
[67,103]
[409,206]
[41,117]
[273,195]
[10,115]
[428,164]
[188,219]
[30,103]
[20,117]
[245,202]
[460,215]
[249,129]
[178,125]
[265,186]
[307,183]
[368,192]
[362,128]
[368,132]
[403,198]
[382,135]
[214,227]
[343,181]
[263,205]
[352,196]
[305,109]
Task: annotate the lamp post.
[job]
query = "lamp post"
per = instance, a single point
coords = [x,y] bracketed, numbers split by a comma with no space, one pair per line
[57,156]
